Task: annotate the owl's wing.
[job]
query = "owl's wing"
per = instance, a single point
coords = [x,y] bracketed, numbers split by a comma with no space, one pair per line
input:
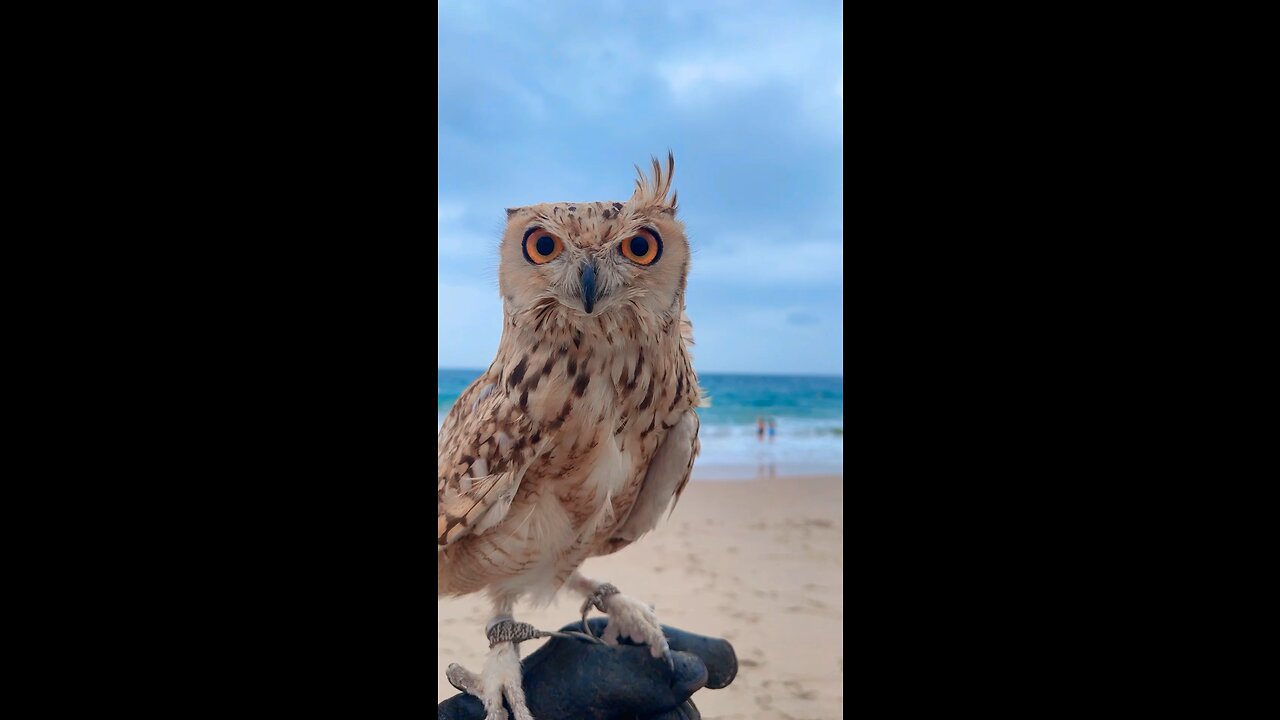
[664,481]
[485,446]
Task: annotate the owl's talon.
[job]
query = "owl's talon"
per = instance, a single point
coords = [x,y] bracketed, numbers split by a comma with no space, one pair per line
[585,637]
[631,618]
[598,598]
[500,680]
[462,679]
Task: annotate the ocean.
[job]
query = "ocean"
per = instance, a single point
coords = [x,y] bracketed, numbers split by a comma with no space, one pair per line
[807,411]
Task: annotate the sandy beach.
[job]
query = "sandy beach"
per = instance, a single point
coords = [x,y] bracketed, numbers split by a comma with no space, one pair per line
[759,562]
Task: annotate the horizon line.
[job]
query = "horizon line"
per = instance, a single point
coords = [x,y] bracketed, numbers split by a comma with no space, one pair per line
[706,372]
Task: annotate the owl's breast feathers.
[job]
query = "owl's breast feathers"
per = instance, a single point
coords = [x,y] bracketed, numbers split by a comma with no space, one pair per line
[542,459]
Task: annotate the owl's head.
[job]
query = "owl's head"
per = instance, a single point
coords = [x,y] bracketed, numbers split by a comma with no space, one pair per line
[570,263]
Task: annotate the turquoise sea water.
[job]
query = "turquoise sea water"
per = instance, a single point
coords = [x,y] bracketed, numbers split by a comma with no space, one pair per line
[807,410]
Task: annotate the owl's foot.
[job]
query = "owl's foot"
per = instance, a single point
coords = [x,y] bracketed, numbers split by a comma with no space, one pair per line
[501,678]
[628,618]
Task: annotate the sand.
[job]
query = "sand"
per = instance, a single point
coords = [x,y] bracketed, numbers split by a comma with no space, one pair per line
[760,563]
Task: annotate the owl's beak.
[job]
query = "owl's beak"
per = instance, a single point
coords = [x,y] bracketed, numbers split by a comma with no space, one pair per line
[588,287]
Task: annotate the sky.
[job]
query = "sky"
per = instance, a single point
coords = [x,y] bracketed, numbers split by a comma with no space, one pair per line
[556,101]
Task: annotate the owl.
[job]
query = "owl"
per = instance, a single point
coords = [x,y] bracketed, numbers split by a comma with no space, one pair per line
[581,433]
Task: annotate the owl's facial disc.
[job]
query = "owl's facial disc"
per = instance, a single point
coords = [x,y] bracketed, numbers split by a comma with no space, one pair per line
[576,264]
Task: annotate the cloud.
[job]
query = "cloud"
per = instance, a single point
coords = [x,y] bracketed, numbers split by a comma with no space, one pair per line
[469,318]
[732,340]
[797,61]
[776,262]
[449,212]
[548,103]
[457,241]
[686,78]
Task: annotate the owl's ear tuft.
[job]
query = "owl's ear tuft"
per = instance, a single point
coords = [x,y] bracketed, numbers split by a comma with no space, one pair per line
[652,192]
[512,211]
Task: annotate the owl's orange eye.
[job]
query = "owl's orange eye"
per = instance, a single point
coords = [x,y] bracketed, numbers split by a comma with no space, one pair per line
[643,248]
[540,246]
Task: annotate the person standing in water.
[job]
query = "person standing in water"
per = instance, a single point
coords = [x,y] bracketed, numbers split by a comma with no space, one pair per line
[773,428]
[760,428]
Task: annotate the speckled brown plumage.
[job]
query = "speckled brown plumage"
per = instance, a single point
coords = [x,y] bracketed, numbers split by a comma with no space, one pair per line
[582,431]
